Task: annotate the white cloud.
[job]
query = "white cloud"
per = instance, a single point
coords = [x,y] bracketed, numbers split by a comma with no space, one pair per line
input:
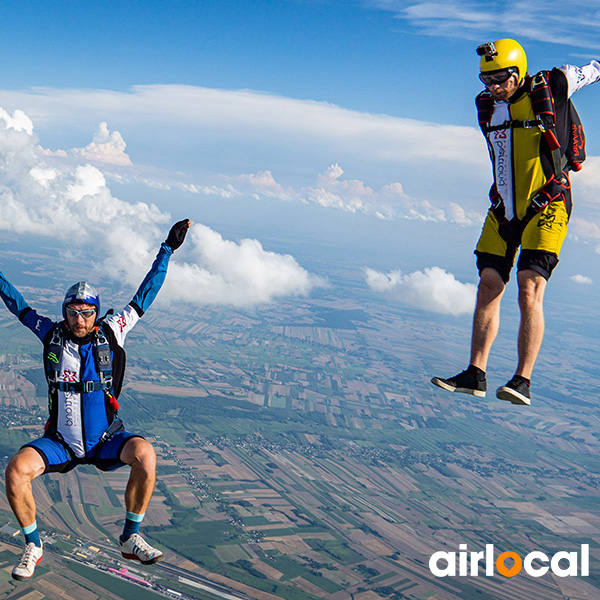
[106,147]
[353,195]
[582,279]
[75,205]
[260,117]
[347,194]
[457,214]
[238,274]
[583,224]
[206,190]
[263,184]
[584,228]
[267,145]
[18,121]
[433,290]
[520,19]
[586,183]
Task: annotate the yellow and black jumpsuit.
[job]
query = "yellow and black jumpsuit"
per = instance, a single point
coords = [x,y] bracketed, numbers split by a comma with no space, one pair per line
[522,164]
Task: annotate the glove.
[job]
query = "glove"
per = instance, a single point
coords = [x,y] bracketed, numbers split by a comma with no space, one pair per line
[177,234]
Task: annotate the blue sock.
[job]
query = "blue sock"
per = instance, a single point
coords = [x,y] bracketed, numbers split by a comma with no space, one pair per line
[31,534]
[132,525]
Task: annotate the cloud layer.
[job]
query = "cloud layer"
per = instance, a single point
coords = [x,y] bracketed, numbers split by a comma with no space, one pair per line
[237,142]
[520,19]
[433,290]
[333,191]
[259,117]
[74,204]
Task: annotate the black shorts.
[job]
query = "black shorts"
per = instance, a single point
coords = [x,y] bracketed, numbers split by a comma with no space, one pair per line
[537,260]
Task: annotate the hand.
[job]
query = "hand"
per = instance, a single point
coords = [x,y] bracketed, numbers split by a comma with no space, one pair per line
[177,234]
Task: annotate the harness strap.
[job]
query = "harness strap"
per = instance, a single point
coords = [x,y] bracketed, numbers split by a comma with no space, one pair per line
[497,206]
[102,356]
[80,387]
[102,359]
[542,103]
[514,124]
[54,355]
[115,427]
[551,192]
[58,437]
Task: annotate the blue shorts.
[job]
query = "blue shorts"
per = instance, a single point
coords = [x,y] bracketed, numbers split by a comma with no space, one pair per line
[58,458]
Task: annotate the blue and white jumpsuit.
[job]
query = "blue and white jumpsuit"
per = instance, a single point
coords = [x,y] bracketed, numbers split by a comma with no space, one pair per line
[78,421]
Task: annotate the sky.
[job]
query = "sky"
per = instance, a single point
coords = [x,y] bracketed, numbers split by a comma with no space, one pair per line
[276,126]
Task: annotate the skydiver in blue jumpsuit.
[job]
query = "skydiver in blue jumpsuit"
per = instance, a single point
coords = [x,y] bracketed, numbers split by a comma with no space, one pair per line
[84,362]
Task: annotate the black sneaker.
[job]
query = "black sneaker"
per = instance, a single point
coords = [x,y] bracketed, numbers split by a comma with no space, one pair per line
[515,391]
[466,382]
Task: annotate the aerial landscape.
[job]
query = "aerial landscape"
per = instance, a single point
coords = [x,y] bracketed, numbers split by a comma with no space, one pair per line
[330,158]
[303,454]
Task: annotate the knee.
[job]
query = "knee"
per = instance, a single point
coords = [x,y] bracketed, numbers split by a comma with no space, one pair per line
[140,455]
[531,292]
[12,472]
[529,298]
[22,467]
[490,286]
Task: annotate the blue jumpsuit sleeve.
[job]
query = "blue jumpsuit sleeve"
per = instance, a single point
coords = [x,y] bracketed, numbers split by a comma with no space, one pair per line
[12,297]
[153,281]
[16,304]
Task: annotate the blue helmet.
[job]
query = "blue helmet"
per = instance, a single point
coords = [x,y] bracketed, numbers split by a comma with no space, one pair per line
[82,291]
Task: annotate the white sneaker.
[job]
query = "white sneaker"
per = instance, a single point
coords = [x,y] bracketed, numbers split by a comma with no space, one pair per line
[32,555]
[136,548]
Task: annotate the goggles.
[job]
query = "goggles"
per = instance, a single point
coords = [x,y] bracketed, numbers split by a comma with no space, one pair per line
[86,313]
[496,77]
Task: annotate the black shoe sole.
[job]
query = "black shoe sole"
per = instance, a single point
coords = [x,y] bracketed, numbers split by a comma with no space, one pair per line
[510,395]
[451,388]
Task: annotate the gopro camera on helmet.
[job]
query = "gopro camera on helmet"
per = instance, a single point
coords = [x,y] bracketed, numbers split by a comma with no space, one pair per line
[488,50]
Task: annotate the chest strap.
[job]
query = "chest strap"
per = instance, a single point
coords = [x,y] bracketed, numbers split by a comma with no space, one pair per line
[514,124]
[79,387]
[542,104]
[102,360]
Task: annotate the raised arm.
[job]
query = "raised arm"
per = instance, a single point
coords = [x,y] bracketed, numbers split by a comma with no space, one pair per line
[16,304]
[155,277]
[122,323]
[12,297]
[579,77]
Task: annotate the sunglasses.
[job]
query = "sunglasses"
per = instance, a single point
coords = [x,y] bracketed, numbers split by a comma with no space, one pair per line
[497,77]
[86,313]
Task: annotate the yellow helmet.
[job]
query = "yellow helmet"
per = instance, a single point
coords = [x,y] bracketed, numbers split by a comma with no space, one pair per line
[502,54]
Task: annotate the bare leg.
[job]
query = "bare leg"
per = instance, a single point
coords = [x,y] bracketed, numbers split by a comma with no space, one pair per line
[531,330]
[139,455]
[486,319]
[22,469]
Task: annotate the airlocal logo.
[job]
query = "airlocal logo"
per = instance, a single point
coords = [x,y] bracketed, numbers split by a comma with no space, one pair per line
[509,563]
